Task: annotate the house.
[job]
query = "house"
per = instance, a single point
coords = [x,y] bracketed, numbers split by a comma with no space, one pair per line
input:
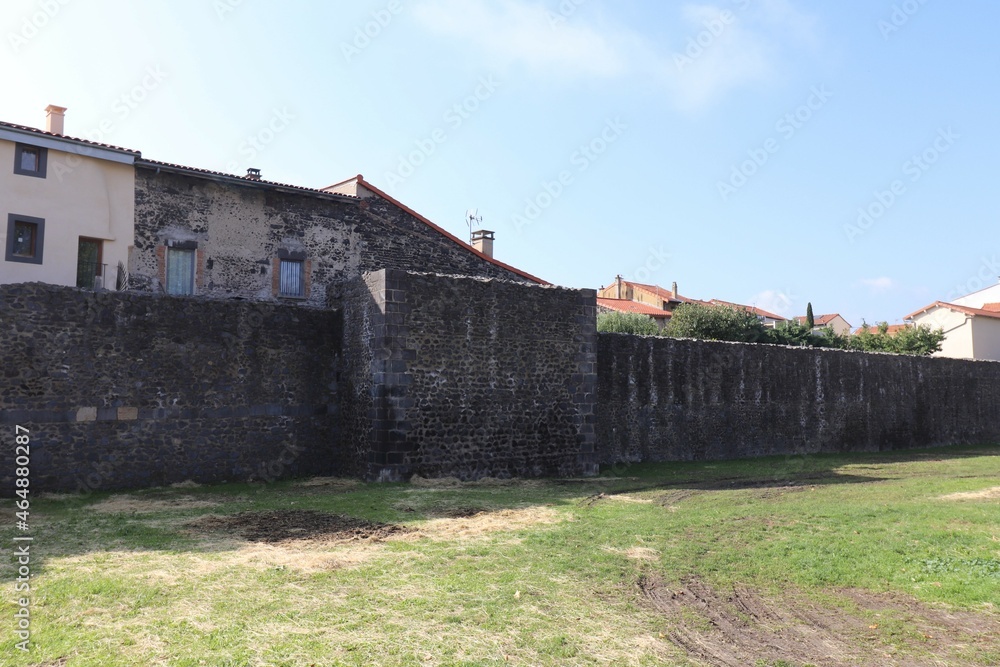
[766,318]
[971,324]
[78,210]
[660,316]
[68,206]
[891,329]
[651,295]
[839,325]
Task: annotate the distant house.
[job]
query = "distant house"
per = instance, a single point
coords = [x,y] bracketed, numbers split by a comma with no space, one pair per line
[891,330]
[660,316]
[766,318]
[971,324]
[651,295]
[68,206]
[839,325]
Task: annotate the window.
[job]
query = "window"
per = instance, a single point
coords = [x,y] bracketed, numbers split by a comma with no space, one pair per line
[180,270]
[292,279]
[25,239]
[30,160]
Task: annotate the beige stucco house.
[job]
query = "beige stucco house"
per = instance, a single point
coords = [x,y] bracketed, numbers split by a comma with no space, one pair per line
[835,321]
[68,206]
[971,324]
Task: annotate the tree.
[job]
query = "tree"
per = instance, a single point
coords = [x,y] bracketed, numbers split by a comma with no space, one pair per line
[627,323]
[692,320]
[810,320]
[918,341]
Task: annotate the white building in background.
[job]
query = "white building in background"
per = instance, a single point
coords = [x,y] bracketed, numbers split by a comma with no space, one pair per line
[971,324]
[67,206]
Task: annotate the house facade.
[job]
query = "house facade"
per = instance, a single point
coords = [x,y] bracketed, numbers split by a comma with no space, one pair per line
[834,321]
[969,332]
[68,206]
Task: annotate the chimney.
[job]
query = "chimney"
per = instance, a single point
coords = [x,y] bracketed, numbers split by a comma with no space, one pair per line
[618,283]
[673,289]
[253,174]
[55,119]
[482,240]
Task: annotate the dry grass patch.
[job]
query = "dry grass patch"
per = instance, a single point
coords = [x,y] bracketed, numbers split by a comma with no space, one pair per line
[985,494]
[485,523]
[133,505]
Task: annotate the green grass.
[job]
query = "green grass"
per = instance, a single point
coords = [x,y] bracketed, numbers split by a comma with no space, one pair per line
[555,582]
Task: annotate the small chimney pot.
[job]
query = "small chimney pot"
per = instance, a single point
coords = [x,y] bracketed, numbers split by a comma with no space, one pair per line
[55,119]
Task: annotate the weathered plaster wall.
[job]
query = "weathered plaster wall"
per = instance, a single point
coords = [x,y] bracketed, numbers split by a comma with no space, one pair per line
[240,229]
[661,399]
[124,390]
[454,376]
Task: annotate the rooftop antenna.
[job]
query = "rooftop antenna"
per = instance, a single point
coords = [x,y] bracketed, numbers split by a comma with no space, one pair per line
[473,219]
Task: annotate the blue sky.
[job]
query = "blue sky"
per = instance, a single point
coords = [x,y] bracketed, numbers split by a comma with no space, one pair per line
[730,146]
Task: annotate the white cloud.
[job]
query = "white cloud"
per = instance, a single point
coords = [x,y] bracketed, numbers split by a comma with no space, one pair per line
[773,301]
[878,285]
[720,48]
[514,31]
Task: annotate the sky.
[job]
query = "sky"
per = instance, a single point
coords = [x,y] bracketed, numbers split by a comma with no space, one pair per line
[767,152]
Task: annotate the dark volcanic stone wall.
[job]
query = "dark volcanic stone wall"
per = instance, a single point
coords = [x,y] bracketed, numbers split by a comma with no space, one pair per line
[240,229]
[661,399]
[470,378]
[127,390]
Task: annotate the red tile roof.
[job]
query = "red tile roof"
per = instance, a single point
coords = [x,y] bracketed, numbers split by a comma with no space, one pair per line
[992,307]
[660,292]
[243,180]
[77,140]
[443,232]
[892,330]
[955,307]
[819,320]
[626,306]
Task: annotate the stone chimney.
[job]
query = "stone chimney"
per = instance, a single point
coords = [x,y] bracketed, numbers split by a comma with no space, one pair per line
[673,289]
[482,240]
[620,291]
[55,119]
[253,174]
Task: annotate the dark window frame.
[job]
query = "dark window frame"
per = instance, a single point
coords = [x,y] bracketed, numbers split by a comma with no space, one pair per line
[43,160]
[12,220]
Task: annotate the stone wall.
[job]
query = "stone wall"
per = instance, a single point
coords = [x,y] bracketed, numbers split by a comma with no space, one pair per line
[241,227]
[661,399]
[127,390]
[454,376]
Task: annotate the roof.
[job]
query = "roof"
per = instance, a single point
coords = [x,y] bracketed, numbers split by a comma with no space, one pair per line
[74,140]
[627,306]
[892,330]
[753,309]
[660,292]
[820,320]
[992,307]
[465,246]
[974,312]
[242,180]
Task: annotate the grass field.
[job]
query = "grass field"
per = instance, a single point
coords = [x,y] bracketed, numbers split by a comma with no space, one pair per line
[887,559]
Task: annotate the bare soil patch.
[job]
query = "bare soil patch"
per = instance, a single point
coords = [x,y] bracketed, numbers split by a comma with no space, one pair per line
[985,494]
[283,526]
[741,627]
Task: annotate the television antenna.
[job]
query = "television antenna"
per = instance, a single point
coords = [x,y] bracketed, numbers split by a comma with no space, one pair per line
[473,219]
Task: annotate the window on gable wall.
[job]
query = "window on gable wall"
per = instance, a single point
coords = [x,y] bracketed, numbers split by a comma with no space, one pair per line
[180,271]
[292,278]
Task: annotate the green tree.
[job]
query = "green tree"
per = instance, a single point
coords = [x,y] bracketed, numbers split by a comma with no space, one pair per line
[692,320]
[810,320]
[627,323]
